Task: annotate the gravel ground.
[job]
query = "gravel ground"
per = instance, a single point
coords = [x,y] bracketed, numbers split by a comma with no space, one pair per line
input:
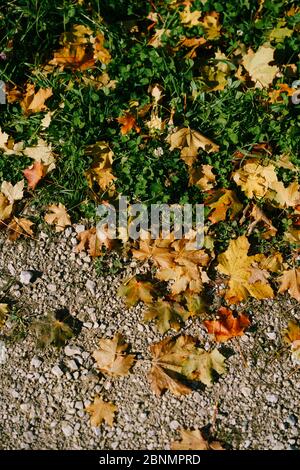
[44,391]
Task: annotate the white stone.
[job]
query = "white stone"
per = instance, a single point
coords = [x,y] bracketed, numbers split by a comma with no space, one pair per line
[72,351]
[271,398]
[79,228]
[67,429]
[57,371]
[51,287]
[35,362]
[3,353]
[26,277]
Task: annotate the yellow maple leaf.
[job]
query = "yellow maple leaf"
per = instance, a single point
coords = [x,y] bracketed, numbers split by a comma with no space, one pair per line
[35,102]
[5,208]
[202,177]
[255,179]
[221,202]
[211,26]
[135,290]
[257,65]
[190,18]
[236,263]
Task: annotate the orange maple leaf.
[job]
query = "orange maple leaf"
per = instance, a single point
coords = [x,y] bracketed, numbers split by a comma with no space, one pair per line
[34,174]
[228,325]
[128,122]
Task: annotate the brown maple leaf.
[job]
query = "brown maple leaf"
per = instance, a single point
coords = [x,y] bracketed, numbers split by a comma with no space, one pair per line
[111,357]
[175,359]
[101,411]
[194,440]
[18,227]
[221,202]
[228,325]
[189,141]
[93,241]
[135,290]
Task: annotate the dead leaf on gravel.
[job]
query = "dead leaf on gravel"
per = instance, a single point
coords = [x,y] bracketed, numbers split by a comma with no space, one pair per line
[178,359]
[18,227]
[52,329]
[290,281]
[58,216]
[90,241]
[101,411]
[167,314]
[112,358]
[292,337]
[135,290]
[228,325]
[236,263]
[194,440]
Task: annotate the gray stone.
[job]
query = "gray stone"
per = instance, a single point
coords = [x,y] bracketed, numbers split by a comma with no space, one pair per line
[56,370]
[26,277]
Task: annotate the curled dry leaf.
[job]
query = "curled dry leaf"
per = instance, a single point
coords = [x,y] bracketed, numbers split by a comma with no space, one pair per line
[5,208]
[290,281]
[3,314]
[178,359]
[58,216]
[194,440]
[101,411]
[18,227]
[135,290]
[112,357]
[228,325]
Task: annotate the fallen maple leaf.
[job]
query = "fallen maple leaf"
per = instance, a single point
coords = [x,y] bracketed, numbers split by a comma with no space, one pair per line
[255,179]
[128,122]
[189,142]
[53,329]
[3,314]
[258,217]
[134,290]
[18,227]
[13,193]
[90,241]
[228,325]
[58,215]
[101,411]
[42,153]
[292,337]
[35,102]
[290,281]
[194,440]
[257,65]
[178,358]
[112,358]
[285,197]
[168,315]
[236,263]
[34,174]
[202,177]
[211,25]
[190,18]
[221,202]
